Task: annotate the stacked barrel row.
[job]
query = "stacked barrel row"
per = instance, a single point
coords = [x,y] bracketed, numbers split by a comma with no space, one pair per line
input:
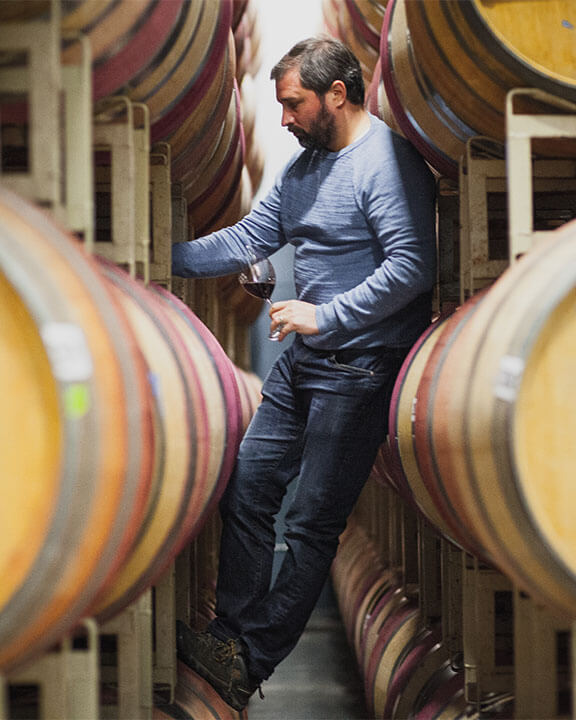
[186,61]
[124,413]
[405,666]
[121,420]
[481,416]
[446,67]
[438,71]
[358,24]
[480,449]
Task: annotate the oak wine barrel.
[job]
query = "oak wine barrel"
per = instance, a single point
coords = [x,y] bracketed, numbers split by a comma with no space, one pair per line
[413,656]
[176,447]
[429,421]
[126,37]
[218,378]
[76,457]
[195,698]
[404,464]
[442,696]
[504,447]
[448,65]
[399,626]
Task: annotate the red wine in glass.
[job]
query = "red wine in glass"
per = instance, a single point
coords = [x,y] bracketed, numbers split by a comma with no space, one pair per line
[259,280]
[262,290]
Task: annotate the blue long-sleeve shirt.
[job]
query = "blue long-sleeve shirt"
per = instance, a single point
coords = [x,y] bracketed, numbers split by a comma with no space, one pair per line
[362,221]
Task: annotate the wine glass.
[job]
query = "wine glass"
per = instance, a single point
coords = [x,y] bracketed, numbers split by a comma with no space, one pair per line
[259,279]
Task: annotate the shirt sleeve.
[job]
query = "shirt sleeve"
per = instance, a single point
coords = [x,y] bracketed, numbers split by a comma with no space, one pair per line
[228,250]
[399,204]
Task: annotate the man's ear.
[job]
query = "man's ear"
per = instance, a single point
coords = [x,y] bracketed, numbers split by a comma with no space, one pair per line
[337,93]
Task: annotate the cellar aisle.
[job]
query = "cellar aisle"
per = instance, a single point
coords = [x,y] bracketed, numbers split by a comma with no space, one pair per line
[319,680]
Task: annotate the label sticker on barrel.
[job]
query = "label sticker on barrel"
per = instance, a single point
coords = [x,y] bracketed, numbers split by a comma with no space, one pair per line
[508,378]
[77,400]
[413,411]
[68,351]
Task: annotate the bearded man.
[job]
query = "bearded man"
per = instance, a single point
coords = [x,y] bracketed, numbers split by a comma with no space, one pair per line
[358,205]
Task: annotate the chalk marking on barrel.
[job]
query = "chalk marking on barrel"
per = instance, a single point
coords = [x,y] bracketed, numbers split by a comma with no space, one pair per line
[508,378]
[68,351]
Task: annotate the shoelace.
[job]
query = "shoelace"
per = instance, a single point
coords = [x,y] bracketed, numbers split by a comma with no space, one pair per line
[226,651]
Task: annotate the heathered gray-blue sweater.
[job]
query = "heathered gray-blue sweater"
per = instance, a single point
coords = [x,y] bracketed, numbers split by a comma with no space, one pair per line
[362,221]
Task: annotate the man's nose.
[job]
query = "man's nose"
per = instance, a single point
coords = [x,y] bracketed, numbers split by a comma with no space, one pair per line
[287,117]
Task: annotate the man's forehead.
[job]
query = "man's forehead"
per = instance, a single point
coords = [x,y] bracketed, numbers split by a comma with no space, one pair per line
[289,86]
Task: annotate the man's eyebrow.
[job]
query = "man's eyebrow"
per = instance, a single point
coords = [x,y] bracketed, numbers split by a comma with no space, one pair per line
[289,99]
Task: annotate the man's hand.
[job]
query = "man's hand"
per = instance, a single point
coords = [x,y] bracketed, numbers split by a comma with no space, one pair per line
[293,316]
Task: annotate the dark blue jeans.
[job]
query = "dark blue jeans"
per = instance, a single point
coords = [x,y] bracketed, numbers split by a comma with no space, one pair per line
[322,420]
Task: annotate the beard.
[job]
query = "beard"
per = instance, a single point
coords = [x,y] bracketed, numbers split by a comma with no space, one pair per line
[321,132]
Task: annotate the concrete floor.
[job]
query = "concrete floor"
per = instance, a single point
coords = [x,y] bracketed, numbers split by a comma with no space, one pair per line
[319,679]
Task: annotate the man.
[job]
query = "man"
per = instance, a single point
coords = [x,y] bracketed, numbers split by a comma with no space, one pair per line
[358,205]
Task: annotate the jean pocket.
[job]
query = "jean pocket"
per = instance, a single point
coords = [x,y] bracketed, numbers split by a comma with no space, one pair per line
[354,369]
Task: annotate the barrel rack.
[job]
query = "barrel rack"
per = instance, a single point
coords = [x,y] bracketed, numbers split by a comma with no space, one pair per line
[505,654]
[69,676]
[489,167]
[102,166]
[497,195]
[511,656]
[544,674]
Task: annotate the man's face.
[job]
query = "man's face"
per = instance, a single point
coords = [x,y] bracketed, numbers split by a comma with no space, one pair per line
[304,113]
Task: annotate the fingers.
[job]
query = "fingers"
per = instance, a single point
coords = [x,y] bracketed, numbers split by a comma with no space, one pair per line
[294,316]
[278,314]
[279,324]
